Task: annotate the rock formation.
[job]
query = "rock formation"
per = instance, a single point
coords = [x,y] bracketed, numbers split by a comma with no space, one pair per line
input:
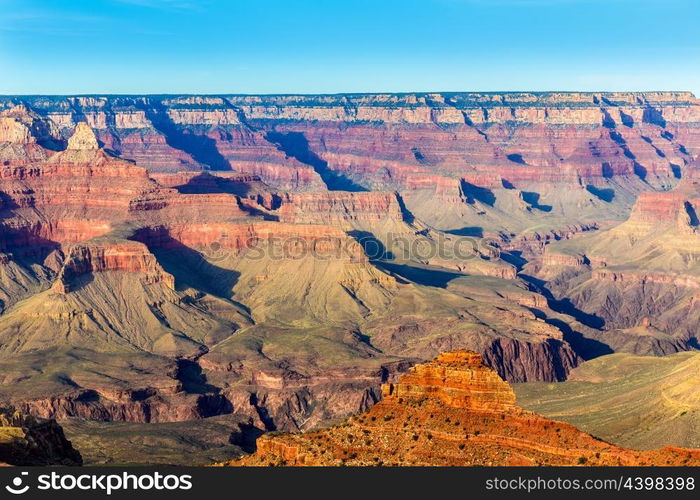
[25,440]
[452,411]
[639,278]
[472,152]
[83,138]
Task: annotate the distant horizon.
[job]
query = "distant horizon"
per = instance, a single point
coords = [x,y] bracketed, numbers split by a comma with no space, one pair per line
[284,94]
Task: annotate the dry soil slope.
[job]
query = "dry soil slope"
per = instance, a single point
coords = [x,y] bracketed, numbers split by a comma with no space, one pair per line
[636,401]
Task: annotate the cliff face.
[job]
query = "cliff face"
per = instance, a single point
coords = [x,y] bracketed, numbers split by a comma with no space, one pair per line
[340,208]
[639,280]
[307,141]
[129,257]
[451,411]
[498,162]
[25,440]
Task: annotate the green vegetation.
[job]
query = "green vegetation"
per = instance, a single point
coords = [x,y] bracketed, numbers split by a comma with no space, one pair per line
[198,442]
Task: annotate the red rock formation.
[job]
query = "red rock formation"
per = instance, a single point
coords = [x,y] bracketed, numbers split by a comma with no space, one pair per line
[444,380]
[129,256]
[65,231]
[336,207]
[451,411]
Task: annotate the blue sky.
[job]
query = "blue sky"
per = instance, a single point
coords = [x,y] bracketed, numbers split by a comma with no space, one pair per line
[327,46]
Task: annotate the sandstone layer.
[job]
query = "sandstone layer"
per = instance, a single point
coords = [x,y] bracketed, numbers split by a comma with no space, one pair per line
[452,411]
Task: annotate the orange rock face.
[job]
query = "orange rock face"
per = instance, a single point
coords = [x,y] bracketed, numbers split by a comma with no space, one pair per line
[456,379]
[451,411]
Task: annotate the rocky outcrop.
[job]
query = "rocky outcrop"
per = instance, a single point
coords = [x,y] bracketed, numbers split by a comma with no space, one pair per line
[142,406]
[542,354]
[25,440]
[14,131]
[456,379]
[83,138]
[131,256]
[337,207]
[295,406]
[20,134]
[451,411]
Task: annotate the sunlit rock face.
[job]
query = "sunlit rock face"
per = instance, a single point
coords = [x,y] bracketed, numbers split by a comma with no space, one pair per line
[451,411]
[501,162]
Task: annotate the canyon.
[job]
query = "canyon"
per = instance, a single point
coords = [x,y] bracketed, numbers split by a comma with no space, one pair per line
[172,259]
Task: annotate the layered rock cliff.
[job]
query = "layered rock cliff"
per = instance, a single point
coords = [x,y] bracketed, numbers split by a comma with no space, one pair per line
[601,149]
[451,411]
[640,278]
